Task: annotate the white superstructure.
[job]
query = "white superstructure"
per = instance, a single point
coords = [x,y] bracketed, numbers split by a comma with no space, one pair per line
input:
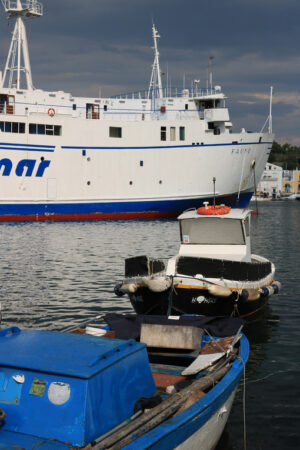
[145,154]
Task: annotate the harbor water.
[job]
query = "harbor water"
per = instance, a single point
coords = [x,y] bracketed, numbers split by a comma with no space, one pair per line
[54,275]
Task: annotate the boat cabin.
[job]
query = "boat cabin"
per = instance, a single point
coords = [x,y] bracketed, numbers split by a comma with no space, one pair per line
[224,236]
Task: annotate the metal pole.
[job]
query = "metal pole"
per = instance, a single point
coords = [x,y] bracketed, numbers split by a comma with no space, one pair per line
[214,181]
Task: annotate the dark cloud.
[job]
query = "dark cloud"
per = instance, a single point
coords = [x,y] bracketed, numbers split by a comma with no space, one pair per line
[82,45]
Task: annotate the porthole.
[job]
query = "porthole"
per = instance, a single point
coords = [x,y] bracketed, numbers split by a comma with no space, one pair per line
[88,183]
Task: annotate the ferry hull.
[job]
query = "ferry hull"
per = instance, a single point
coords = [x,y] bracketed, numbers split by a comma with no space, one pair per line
[153,209]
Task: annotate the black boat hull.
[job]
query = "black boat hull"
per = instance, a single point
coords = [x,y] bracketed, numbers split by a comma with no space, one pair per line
[178,301]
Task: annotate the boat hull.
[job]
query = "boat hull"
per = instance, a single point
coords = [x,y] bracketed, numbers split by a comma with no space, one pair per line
[148,209]
[194,301]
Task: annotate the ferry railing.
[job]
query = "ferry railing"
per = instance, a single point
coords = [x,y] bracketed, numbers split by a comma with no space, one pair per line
[33,7]
[177,92]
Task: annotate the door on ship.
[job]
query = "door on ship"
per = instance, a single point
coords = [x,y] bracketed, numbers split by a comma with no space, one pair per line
[7,103]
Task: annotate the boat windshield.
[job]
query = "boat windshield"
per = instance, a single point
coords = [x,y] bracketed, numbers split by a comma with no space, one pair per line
[212,231]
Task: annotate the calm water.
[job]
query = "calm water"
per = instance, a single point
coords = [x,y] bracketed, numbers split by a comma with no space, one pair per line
[59,274]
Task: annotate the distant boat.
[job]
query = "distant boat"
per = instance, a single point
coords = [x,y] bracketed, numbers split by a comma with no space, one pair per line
[66,390]
[260,198]
[214,272]
[144,154]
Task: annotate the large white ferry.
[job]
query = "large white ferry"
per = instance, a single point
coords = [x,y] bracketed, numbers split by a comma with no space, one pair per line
[141,155]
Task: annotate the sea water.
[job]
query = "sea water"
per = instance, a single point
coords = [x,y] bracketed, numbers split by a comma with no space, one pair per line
[55,275]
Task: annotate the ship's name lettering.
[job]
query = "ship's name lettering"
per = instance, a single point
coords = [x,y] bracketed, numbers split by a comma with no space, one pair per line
[25,167]
[240,151]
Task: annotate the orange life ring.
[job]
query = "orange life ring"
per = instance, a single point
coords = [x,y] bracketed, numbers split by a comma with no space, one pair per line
[211,210]
[51,112]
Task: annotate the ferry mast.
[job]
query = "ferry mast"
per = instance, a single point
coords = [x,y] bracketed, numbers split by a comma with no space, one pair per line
[18,61]
[155,86]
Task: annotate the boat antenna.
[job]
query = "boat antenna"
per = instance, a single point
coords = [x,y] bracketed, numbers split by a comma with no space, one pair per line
[18,56]
[155,81]
[214,182]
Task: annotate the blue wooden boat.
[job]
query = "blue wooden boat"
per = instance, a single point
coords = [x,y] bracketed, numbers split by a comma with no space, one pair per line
[171,387]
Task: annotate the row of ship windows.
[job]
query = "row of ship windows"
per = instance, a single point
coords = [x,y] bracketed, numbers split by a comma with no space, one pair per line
[34,128]
[116,132]
[55,130]
[172,134]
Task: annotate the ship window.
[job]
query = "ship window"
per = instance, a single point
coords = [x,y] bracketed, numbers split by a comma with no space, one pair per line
[105,107]
[186,106]
[172,133]
[115,132]
[41,128]
[32,128]
[209,231]
[12,127]
[8,127]
[74,107]
[182,133]
[163,133]
[21,127]
[50,130]
[57,130]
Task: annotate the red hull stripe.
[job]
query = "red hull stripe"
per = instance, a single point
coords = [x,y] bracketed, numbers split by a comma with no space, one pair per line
[91,216]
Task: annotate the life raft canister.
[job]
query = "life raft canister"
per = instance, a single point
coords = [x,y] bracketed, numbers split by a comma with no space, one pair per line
[51,112]
[211,210]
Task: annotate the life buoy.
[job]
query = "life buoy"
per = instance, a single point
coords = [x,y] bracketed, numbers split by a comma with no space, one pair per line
[51,112]
[211,210]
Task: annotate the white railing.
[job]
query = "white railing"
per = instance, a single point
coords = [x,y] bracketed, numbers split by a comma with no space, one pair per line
[33,7]
[169,92]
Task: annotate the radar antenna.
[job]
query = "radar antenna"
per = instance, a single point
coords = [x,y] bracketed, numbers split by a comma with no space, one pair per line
[18,62]
[155,86]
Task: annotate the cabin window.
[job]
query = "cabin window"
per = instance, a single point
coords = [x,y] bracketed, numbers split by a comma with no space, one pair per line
[182,133]
[163,133]
[12,127]
[212,231]
[40,128]
[92,111]
[172,133]
[186,106]
[115,132]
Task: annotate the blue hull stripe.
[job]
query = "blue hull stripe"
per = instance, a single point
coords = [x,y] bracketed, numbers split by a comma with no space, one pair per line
[159,206]
[27,149]
[28,145]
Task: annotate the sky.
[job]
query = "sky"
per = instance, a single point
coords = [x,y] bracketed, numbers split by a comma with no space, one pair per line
[89,46]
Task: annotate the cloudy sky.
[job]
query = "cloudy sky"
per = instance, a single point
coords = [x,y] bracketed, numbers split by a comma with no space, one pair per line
[81,46]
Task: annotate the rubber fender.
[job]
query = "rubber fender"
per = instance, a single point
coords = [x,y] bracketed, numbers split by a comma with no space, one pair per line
[129,288]
[264,292]
[249,294]
[276,286]
[219,291]
[157,284]
[117,290]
